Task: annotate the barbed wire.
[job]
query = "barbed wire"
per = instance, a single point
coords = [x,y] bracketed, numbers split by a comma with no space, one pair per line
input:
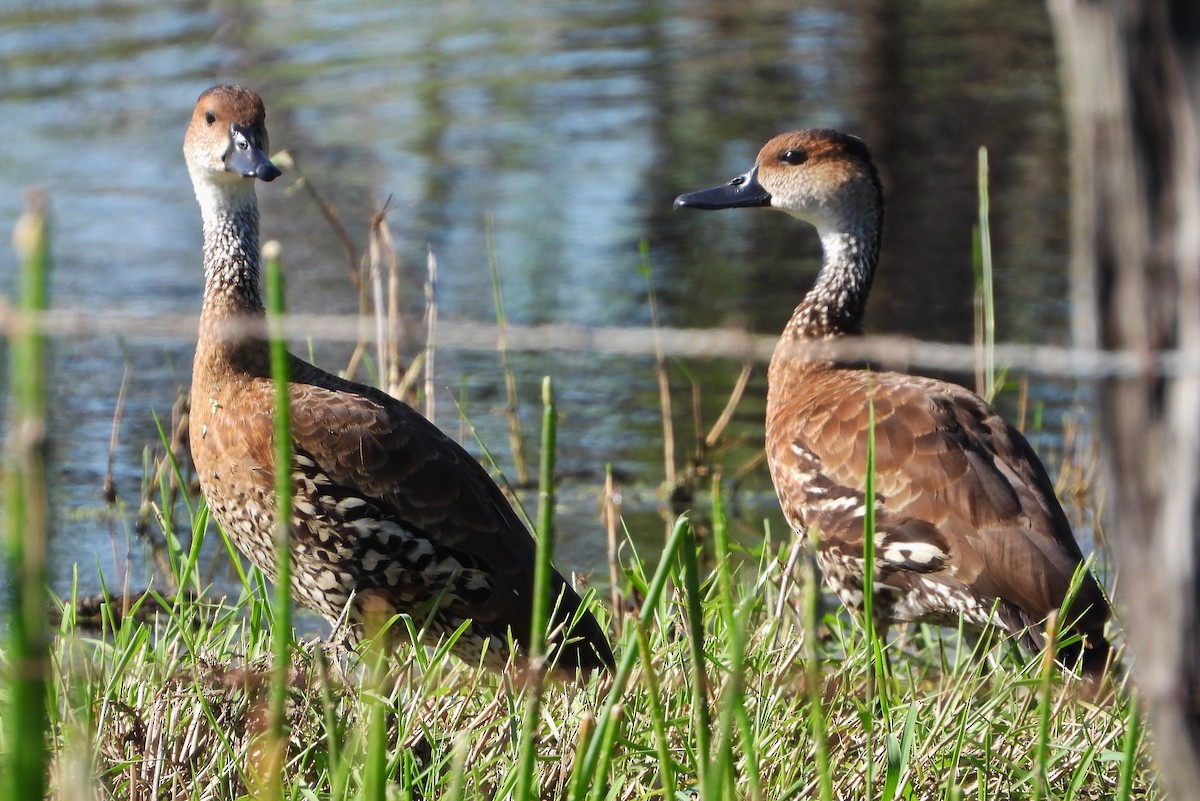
[887,351]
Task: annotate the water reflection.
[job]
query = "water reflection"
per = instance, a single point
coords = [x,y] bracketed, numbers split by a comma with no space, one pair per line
[571,126]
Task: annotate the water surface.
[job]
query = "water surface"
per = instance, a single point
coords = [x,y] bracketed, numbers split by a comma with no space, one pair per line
[570,127]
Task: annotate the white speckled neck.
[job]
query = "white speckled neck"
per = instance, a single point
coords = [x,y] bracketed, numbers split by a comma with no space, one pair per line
[231,252]
[834,306]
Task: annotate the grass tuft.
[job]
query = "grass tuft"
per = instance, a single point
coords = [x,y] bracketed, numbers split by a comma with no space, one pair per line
[731,680]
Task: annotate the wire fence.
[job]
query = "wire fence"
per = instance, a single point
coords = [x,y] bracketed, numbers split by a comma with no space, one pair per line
[887,351]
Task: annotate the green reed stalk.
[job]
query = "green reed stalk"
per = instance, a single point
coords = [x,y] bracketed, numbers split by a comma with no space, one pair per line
[877,692]
[868,600]
[527,759]
[985,300]
[374,767]
[606,741]
[281,612]
[545,522]
[26,719]
[818,721]
[583,740]
[701,716]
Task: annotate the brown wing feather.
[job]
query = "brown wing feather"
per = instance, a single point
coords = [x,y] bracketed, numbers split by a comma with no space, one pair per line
[372,446]
[945,462]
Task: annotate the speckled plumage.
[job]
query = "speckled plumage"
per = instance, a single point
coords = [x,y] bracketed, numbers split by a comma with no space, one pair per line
[966,522]
[389,515]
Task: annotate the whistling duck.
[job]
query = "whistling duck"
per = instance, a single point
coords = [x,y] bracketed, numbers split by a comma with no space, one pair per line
[967,525]
[389,514]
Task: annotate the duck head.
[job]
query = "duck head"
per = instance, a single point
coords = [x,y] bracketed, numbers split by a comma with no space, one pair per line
[821,176]
[227,143]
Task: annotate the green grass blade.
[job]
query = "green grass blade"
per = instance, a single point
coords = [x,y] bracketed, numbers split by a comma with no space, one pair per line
[733,713]
[899,754]
[658,723]
[607,719]
[1045,708]
[1133,736]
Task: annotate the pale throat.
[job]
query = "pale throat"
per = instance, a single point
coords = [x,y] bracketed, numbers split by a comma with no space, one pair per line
[834,306]
[231,250]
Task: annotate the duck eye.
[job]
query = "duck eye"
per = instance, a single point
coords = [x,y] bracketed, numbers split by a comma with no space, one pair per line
[209,117]
[794,157]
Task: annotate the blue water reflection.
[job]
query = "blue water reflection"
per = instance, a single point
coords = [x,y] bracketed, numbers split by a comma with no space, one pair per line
[570,126]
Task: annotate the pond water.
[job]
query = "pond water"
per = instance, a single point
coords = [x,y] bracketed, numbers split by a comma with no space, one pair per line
[565,127]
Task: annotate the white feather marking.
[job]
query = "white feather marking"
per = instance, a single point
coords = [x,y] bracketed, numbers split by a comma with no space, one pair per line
[346,504]
[842,504]
[920,553]
[370,560]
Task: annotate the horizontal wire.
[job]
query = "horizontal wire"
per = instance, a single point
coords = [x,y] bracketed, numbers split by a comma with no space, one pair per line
[891,351]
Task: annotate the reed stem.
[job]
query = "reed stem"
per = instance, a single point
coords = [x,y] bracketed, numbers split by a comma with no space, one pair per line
[701,715]
[527,761]
[26,718]
[660,370]
[516,441]
[281,605]
[985,304]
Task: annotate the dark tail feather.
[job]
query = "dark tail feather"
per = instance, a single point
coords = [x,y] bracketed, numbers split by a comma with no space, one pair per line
[1097,656]
[583,645]
[1092,656]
